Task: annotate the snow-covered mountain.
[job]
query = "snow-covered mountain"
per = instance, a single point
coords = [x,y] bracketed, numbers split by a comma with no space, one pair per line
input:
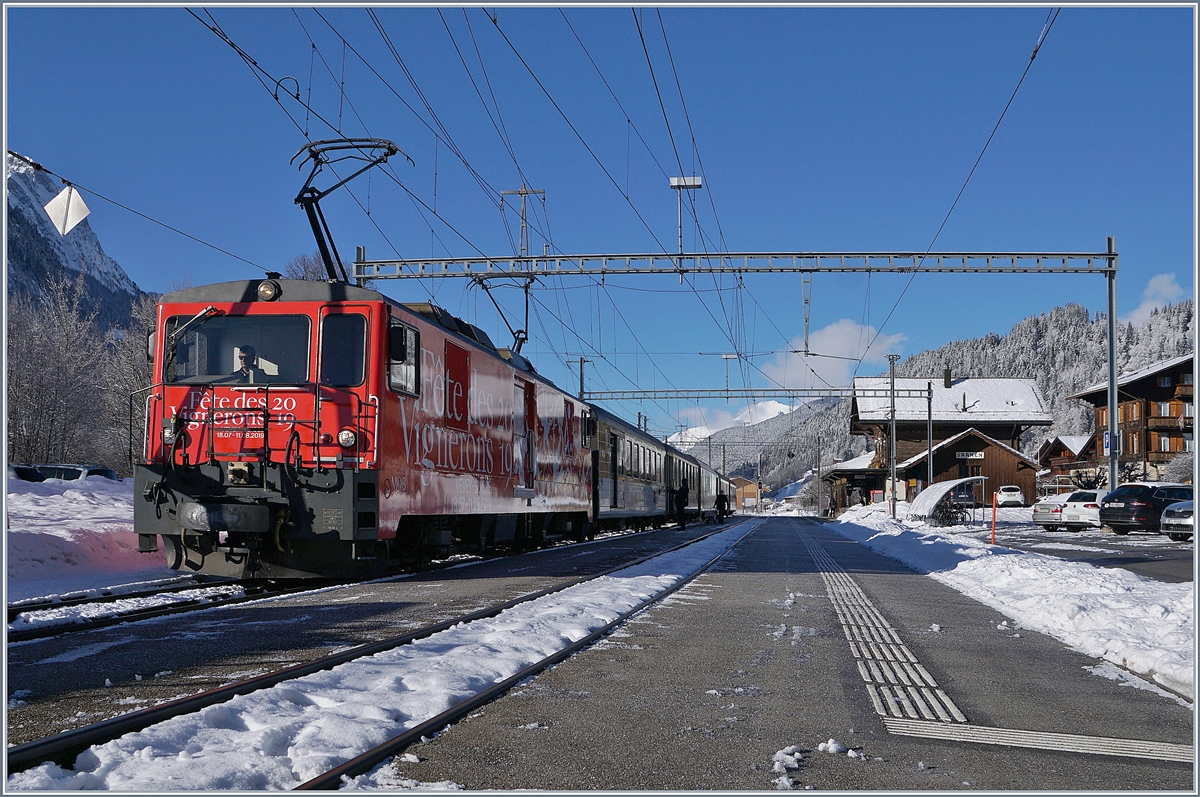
[753,414]
[36,251]
[1063,351]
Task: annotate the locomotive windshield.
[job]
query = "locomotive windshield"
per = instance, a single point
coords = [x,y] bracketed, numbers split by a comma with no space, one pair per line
[239,349]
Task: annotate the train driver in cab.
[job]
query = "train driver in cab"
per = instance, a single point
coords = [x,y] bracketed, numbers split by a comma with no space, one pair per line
[248,370]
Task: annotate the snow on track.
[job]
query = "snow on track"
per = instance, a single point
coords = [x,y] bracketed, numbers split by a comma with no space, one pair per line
[280,737]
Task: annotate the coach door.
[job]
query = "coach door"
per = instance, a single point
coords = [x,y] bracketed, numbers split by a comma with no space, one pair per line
[524,436]
[613,461]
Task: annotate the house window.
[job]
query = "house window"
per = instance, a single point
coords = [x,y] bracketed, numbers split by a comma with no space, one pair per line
[1164,409]
[1164,381]
[1187,441]
[1187,379]
[1133,443]
[1189,409]
[1164,443]
[1134,411]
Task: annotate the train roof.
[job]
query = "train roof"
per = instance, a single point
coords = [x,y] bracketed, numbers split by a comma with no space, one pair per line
[324,291]
[625,425]
[290,291]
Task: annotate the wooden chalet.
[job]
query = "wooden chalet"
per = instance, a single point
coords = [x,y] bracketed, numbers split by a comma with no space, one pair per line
[1155,416]
[977,427]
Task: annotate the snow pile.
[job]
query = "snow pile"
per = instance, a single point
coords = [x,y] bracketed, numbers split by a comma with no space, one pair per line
[1145,626]
[277,738]
[72,535]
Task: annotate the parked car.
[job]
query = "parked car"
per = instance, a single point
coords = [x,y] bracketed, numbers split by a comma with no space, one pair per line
[1047,512]
[25,473]
[1010,495]
[1082,509]
[1177,521]
[1138,506]
[71,472]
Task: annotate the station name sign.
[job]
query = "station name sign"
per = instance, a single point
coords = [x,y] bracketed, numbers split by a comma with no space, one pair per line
[968,455]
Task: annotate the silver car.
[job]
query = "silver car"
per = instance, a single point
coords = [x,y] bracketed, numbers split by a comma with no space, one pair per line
[1047,512]
[1177,521]
[1082,509]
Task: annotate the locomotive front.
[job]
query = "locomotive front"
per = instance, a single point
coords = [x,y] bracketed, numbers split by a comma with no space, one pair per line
[261,430]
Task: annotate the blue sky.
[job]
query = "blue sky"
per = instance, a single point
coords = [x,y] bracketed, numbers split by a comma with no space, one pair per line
[816,129]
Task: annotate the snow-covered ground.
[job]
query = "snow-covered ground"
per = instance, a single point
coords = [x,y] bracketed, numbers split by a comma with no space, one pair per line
[70,536]
[67,536]
[1143,625]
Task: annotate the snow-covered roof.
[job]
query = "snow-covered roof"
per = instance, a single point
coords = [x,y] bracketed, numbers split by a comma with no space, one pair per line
[1075,442]
[966,400]
[949,441]
[922,506]
[1133,376]
[861,462]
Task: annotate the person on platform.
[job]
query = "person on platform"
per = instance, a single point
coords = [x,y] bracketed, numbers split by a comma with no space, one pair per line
[722,505]
[681,501]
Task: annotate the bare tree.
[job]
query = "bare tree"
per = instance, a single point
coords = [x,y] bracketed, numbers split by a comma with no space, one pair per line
[128,373]
[306,267]
[55,376]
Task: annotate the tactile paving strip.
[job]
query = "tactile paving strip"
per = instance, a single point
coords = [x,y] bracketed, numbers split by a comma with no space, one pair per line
[896,682]
[907,697]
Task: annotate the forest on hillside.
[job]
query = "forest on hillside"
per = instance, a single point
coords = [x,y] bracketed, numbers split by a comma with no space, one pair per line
[1064,351]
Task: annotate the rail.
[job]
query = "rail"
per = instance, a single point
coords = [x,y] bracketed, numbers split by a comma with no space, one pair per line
[62,748]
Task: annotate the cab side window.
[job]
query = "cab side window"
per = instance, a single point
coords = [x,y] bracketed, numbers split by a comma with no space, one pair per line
[404,358]
[343,350]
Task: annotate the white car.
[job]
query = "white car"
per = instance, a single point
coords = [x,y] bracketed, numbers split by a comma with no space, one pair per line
[1010,495]
[1082,509]
[1177,521]
[1047,512]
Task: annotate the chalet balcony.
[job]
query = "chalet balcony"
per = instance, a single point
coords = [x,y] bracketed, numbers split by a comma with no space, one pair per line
[1168,423]
[1183,391]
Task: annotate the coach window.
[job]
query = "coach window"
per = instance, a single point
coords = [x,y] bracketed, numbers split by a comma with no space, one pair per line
[404,358]
[343,350]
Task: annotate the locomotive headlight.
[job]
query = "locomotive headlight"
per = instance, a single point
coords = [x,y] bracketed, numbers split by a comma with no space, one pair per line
[347,438]
[268,290]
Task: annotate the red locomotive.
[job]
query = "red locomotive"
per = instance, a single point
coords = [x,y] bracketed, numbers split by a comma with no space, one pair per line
[301,428]
[298,428]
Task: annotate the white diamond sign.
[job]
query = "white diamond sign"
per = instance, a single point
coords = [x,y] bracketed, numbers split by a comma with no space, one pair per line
[66,210]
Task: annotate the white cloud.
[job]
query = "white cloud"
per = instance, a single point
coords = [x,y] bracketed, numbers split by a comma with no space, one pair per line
[705,421]
[841,339]
[1161,290]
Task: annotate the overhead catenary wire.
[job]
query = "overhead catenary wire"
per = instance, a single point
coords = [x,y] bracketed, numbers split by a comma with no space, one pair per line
[1051,18]
[39,167]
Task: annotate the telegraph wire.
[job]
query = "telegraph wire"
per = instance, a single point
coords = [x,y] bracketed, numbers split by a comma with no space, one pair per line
[1051,17]
[39,167]
[578,135]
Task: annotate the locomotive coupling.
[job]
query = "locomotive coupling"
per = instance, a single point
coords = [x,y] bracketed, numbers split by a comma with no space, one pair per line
[249,518]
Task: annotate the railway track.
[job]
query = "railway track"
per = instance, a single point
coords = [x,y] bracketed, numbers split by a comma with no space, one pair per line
[64,747]
[38,621]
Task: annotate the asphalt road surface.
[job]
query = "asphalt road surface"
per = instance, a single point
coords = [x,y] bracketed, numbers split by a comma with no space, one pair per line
[1146,553]
[756,656]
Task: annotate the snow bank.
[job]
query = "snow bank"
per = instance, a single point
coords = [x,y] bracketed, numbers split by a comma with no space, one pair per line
[279,737]
[64,536]
[1145,626]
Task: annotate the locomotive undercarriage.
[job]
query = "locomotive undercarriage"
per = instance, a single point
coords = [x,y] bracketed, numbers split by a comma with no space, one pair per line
[261,520]
[242,519]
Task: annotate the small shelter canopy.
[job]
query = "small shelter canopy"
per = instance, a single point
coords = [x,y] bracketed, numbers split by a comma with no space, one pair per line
[922,506]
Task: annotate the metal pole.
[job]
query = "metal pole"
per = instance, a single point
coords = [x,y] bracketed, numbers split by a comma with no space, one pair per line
[892,433]
[679,193]
[929,433]
[581,362]
[1113,440]
[818,475]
